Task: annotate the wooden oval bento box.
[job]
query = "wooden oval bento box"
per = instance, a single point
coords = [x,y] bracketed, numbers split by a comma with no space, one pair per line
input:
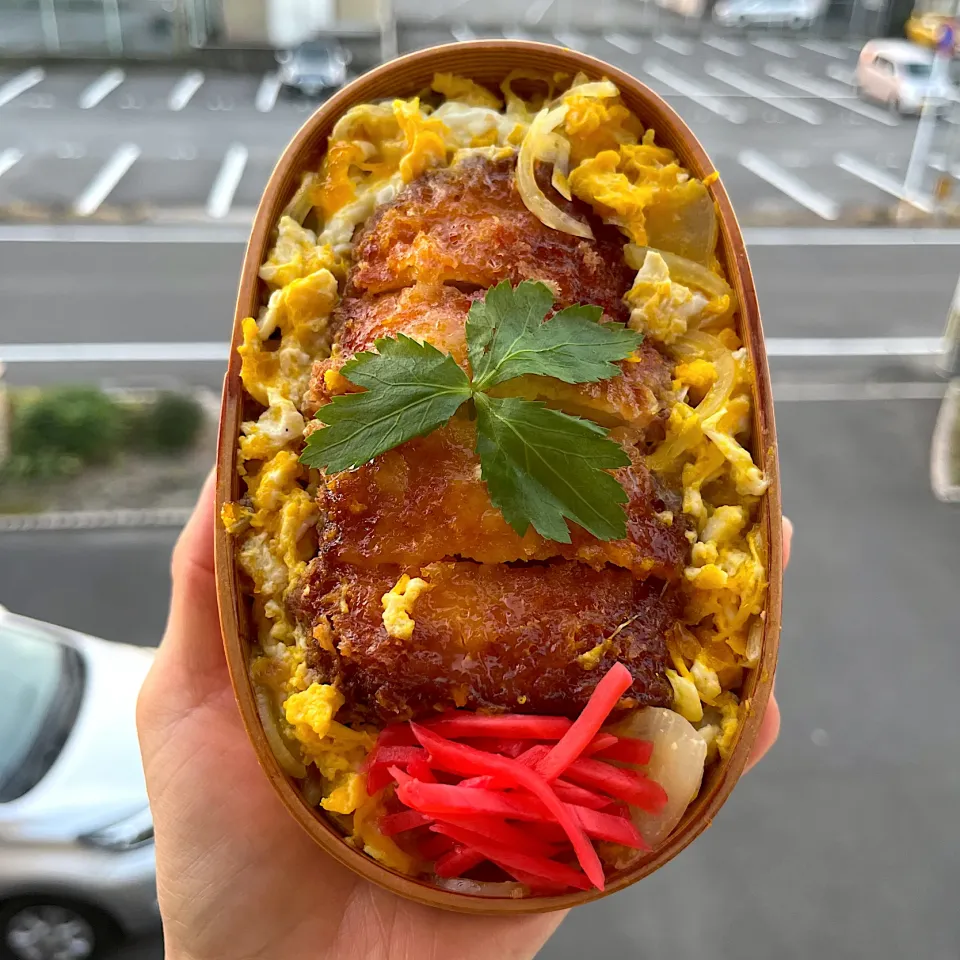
[487,62]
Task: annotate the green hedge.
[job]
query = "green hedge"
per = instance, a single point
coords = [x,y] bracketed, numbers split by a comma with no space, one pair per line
[56,432]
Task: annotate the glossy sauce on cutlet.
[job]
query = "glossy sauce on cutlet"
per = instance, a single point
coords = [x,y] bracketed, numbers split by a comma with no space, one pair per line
[489,636]
[468,224]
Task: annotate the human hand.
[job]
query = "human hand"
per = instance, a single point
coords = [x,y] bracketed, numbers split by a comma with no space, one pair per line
[236,876]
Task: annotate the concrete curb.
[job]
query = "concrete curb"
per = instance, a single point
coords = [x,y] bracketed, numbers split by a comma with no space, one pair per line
[946,434]
[95,519]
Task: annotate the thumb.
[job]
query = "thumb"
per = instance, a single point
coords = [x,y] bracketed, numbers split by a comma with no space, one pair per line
[190,666]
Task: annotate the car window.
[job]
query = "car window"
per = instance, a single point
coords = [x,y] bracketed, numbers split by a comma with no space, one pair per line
[883,65]
[40,691]
[916,69]
[28,683]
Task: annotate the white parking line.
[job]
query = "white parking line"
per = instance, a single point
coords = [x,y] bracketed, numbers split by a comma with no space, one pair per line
[575,41]
[108,176]
[779,47]
[854,346]
[104,84]
[184,89]
[536,10]
[462,33]
[9,158]
[622,42]
[21,83]
[880,179]
[827,49]
[841,74]
[515,32]
[833,392]
[792,186]
[746,84]
[227,180]
[827,91]
[202,351]
[684,47]
[267,92]
[687,87]
[724,46]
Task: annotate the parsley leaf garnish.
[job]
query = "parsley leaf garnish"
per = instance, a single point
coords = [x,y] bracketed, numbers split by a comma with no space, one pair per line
[541,466]
[411,389]
[507,338]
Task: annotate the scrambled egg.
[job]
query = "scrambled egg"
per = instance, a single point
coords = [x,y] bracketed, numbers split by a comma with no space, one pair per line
[602,155]
[398,605]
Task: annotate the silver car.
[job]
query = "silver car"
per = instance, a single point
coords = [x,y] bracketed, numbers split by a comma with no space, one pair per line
[77,869]
[766,13]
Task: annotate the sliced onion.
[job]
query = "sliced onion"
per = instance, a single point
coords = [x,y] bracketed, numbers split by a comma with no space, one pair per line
[539,144]
[598,89]
[679,755]
[697,344]
[278,742]
[692,346]
[688,272]
[476,888]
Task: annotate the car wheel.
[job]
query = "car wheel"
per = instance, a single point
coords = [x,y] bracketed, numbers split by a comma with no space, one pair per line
[42,928]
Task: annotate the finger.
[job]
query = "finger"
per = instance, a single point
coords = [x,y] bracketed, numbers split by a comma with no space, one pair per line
[769,731]
[787,540]
[192,644]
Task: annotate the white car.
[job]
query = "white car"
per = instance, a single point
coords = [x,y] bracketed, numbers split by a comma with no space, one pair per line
[899,74]
[766,13]
[77,868]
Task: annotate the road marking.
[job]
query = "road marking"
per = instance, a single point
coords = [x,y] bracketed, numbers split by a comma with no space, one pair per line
[267,92]
[843,74]
[205,232]
[854,346]
[227,180]
[683,47]
[462,33]
[773,45]
[622,42]
[516,33]
[724,46]
[206,351]
[827,91]
[184,89]
[9,158]
[21,83]
[827,49]
[687,87]
[567,38]
[880,179]
[786,182]
[113,352]
[536,10]
[108,176]
[833,392]
[104,84]
[746,84]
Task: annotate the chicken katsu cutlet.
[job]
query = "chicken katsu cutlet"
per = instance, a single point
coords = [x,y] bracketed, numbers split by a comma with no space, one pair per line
[423,508]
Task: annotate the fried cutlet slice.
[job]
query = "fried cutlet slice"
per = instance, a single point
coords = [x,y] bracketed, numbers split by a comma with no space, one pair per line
[438,315]
[425,500]
[468,225]
[486,636]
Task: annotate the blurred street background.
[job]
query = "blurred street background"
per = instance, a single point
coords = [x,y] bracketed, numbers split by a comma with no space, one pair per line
[135,138]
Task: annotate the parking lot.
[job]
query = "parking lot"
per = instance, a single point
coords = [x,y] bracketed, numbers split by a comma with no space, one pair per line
[778,115]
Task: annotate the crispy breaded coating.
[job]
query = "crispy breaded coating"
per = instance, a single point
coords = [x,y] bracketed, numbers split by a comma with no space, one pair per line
[487,636]
[425,501]
[468,225]
[438,315]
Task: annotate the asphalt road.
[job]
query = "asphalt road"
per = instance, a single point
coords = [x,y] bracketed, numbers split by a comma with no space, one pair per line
[127,293]
[777,114]
[841,843]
